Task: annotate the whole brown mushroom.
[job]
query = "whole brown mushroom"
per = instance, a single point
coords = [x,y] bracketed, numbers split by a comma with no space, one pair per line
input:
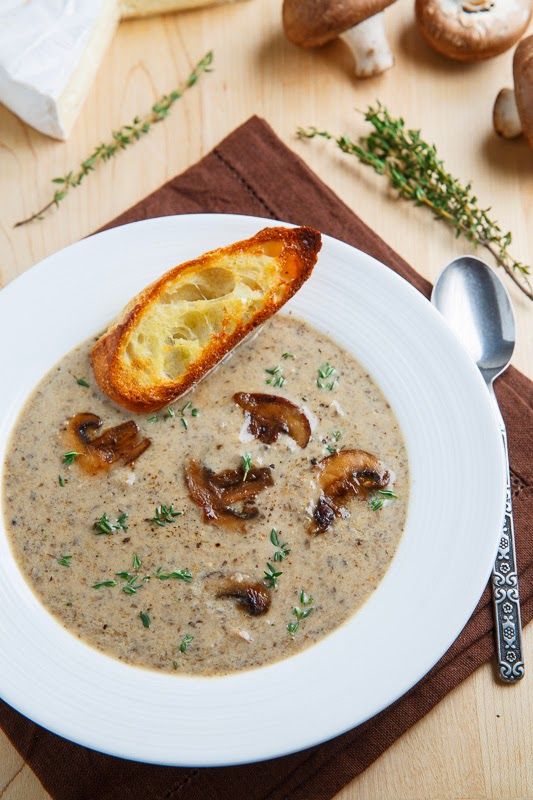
[471,30]
[513,109]
[311,23]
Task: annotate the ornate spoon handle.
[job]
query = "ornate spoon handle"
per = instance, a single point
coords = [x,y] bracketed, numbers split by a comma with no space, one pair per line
[505,592]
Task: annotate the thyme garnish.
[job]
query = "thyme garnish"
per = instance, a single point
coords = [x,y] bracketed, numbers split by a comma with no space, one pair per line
[300,613]
[121,139]
[283,548]
[276,376]
[185,642]
[145,618]
[164,515]
[82,382]
[377,500]
[246,465]
[105,526]
[271,576]
[64,561]
[61,480]
[70,457]
[101,584]
[415,170]
[177,575]
[326,371]
[333,437]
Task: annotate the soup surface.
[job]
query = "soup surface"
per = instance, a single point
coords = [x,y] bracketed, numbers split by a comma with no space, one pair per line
[138,581]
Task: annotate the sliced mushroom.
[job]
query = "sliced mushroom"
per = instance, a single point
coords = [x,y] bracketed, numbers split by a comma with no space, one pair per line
[252,596]
[346,472]
[121,444]
[217,493]
[271,415]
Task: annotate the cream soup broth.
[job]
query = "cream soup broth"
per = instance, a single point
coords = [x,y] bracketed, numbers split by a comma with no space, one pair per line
[82,574]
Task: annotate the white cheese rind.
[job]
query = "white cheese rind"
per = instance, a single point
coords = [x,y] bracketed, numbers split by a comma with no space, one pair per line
[50,51]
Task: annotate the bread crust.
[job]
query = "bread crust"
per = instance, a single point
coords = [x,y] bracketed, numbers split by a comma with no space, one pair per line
[295,262]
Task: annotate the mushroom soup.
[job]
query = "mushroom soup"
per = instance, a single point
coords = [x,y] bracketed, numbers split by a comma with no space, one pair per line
[232,529]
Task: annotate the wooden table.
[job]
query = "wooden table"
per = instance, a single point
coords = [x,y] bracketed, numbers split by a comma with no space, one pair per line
[478,743]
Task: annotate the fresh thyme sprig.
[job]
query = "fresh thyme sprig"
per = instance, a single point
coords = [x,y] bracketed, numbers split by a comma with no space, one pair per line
[121,139]
[415,170]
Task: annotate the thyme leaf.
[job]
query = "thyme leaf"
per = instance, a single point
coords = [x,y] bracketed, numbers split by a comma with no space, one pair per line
[164,515]
[177,575]
[283,548]
[276,376]
[271,576]
[64,561]
[103,525]
[145,618]
[70,457]
[185,642]
[246,465]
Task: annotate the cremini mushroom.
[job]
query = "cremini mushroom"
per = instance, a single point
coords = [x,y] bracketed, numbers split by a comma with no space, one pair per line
[253,596]
[311,23]
[347,472]
[218,493]
[513,109]
[120,444]
[471,30]
[271,415]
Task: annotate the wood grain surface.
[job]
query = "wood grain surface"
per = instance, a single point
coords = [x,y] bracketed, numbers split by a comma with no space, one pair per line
[478,743]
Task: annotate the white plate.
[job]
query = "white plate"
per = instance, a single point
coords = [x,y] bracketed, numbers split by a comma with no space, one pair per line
[426,597]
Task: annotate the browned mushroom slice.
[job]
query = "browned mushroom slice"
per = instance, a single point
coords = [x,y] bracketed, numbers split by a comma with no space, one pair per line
[217,493]
[346,472]
[271,415]
[121,444]
[253,596]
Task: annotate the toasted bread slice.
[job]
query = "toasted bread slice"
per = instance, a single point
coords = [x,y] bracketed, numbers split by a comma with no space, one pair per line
[178,328]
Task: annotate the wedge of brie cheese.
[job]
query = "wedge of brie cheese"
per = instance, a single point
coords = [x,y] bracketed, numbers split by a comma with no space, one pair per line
[145,8]
[50,51]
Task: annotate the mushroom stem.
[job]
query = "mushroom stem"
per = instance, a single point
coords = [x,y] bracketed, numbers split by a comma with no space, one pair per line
[505,116]
[368,42]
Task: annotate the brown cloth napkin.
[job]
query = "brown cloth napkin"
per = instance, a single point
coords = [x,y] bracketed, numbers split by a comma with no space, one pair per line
[252,172]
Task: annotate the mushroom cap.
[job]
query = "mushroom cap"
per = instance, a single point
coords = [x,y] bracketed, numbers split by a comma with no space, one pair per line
[471,30]
[311,23]
[523,85]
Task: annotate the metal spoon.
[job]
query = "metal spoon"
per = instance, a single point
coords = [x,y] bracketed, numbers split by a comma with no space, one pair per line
[477,307]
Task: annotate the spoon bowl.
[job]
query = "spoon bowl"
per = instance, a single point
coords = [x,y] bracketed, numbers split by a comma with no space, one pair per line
[477,307]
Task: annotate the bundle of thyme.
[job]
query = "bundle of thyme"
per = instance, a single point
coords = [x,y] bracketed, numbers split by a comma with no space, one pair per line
[121,139]
[415,170]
